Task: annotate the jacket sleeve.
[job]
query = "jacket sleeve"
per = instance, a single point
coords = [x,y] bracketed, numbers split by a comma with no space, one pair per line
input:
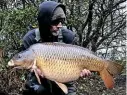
[69,37]
[71,88]
[29,39]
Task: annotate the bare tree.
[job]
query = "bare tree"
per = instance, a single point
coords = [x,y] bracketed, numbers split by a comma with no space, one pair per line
[102,19]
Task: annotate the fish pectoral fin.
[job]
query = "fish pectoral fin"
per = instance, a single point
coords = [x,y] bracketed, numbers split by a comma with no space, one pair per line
[63,87]
[34,68]
[107,78]
[36,74]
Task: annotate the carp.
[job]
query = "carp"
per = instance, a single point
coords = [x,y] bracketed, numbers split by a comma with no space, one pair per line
[63,63]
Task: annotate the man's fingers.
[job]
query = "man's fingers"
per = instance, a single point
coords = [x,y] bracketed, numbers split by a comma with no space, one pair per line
[81,75]
[88,73]
[40,73]
[31,70]
[85,73]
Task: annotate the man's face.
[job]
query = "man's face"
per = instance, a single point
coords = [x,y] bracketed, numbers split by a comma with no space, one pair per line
[55,26]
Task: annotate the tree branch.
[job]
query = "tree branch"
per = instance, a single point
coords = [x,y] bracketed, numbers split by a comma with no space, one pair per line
[89,16]
[110,33]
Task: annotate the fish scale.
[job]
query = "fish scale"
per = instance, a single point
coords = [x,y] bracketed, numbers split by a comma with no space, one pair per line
[73,54]
[60,69]
[61,73]
[64,62]
[60,51]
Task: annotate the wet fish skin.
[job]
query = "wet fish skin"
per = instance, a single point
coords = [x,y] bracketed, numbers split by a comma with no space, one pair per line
[63,62]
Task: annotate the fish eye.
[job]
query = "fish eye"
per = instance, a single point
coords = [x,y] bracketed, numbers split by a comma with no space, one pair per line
[19,56]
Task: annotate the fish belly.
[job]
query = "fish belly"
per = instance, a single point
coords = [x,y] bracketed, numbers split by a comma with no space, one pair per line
[61,71]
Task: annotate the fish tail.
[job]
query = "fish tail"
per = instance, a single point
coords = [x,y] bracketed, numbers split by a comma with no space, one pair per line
[107,78]
[114,68]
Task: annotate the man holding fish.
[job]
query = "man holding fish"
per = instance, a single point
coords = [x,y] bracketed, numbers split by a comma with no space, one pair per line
[50,18]
[58,64]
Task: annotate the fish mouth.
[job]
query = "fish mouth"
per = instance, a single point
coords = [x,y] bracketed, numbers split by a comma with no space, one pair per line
[11,63]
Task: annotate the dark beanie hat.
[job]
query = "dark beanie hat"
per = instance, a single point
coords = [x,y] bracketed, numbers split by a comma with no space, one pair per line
[58,13]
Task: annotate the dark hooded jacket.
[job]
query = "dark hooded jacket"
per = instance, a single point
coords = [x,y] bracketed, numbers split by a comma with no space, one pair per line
[45,14]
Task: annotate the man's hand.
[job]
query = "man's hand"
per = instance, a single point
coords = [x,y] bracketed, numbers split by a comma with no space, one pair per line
[40,73]
[85,73]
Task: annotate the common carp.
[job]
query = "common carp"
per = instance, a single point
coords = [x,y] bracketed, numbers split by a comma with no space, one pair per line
[63,63]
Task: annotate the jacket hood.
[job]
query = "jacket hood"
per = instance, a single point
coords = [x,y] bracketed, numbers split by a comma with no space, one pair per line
[45,13]
[46,10]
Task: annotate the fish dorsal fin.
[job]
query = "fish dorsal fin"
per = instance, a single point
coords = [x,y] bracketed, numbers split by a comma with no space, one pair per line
[63,87]
[34,68]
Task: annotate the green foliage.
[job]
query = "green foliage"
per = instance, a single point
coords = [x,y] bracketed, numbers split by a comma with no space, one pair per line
[14,26]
